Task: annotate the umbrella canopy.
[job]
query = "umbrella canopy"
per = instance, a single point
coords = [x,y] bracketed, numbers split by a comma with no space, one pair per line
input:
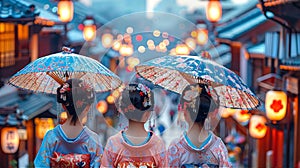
[46,74]
[176,72]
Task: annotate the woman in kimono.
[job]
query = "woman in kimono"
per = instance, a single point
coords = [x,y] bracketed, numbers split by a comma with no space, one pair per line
[135,147]
[198,147]
[71,144]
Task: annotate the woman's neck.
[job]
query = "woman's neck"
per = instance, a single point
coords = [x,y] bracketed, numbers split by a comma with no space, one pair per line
[197,134]
[136,129]
[71,130]
[136,132]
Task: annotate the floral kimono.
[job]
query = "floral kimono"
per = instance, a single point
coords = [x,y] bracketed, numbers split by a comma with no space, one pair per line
[83,151]
[212,153]
[119,152]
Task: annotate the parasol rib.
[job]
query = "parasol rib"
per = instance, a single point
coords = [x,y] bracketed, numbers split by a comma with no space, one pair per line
[55,77]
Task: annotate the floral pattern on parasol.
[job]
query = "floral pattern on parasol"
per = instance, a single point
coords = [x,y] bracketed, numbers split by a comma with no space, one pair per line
[47,73]
[176,72]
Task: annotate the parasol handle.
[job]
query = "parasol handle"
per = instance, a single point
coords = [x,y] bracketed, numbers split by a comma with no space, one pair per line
[55,77]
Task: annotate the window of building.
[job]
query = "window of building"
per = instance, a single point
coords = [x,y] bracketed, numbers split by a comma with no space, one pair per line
[7,44]
[23,42]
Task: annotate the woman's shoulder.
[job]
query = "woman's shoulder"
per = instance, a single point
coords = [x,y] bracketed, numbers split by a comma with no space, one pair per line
[216,143]
[116,137]
[216,139]
[91,135]
[89,132]
[51,136]
[53,133]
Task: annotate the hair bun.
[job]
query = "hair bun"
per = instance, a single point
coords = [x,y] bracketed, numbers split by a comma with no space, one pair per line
[72,89]
[140,96]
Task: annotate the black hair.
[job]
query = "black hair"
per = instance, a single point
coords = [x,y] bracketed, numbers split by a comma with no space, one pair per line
[75,95]
[135,100]
[201,104]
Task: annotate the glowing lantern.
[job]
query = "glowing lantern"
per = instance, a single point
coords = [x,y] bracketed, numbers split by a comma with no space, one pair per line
[43,125]
[102,106]
[257,126]
[276,102]
[116,94]
[9,140]
[65,10]
[242,116]
[202,35]
[89,29]
[107,40]
[191,43]
[126,50]
[182,49]
[63,117]
[226,112]
[214,11]
[110,99]
[22,132]
[116,45]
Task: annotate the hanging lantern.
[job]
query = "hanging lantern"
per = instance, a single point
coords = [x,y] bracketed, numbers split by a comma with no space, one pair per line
[63,117]
[126,50]
[242,116]
[214,10]
[22,132]
[182,49]
[89,29]
[9,140]
[65,10]
[110,99]
[276,102]
[202,35]
[116,45]
[257,126]
[107,40]
[102,106]
[191,43]
[43,125]
[226,112]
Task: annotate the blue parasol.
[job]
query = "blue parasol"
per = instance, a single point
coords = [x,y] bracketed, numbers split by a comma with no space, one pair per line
[176,72]
[46,74]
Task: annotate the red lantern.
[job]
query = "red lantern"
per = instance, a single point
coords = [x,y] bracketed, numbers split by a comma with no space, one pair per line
[257,127]
[242,116]
[276,102]
[226,112]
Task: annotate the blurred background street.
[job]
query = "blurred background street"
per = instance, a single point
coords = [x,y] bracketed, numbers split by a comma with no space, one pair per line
[258,40]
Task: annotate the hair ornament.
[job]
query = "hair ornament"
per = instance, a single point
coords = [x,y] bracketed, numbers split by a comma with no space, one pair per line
[64,89]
